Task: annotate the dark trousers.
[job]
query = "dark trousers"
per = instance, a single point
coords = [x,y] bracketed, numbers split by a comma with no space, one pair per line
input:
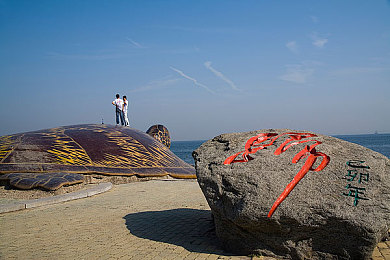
[119,114]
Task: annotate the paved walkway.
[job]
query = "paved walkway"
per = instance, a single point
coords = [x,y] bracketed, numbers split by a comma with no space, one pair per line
[142,220]
[8,205]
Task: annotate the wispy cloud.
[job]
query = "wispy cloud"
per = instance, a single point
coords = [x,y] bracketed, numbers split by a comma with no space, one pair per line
[297,73]
[156,84]
[219,74]
[135,44]
[314,18]
[318,41]
[181,73]
[292,46]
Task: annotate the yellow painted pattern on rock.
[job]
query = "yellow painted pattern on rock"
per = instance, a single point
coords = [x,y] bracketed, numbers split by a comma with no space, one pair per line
[114,148]
[132,153]
[162,155]
[7,144]
[65,150]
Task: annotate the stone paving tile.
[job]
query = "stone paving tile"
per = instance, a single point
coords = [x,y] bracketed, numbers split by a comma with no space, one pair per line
[143,220]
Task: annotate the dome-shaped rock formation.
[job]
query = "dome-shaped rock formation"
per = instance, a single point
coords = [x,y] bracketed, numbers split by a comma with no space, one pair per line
[87,149]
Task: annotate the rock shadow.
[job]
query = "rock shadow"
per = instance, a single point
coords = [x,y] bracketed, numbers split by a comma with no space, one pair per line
[192,229]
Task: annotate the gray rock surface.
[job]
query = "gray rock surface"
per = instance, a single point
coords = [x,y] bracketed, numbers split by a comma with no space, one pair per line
[340,212]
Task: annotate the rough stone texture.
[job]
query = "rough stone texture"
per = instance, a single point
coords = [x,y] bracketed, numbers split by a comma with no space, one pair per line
[315,221]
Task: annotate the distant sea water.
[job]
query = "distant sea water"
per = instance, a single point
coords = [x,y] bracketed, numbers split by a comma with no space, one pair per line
[377,142]
[184,149]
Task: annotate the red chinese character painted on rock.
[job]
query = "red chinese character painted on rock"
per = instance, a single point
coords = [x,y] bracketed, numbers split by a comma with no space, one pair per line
[257,143]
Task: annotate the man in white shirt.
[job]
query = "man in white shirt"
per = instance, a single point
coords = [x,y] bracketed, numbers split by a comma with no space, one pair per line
[125,106]
[118,103]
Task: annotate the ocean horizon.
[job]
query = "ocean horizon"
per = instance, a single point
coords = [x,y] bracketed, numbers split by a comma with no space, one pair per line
[376,142]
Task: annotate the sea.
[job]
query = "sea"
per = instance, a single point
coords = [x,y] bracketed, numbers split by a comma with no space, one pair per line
[377,142]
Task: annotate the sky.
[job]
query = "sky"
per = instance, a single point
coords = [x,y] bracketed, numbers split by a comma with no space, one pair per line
[201,68]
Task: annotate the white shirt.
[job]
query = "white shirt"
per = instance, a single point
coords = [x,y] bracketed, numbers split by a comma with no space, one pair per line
[118,103]
[126,103]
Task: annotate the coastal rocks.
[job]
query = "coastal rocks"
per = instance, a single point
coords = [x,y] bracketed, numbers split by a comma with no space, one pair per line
[339,208]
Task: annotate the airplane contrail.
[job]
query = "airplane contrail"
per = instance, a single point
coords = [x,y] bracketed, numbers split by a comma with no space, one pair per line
[181,73]
[136,44]
[219,74]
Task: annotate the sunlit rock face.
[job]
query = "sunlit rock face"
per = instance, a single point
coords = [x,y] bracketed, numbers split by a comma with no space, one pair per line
[295,194]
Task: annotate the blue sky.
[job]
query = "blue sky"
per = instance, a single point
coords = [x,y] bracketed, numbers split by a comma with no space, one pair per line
[201,68]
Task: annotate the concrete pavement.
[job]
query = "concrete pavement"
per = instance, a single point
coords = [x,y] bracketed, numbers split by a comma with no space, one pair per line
[14,205]
[162,219]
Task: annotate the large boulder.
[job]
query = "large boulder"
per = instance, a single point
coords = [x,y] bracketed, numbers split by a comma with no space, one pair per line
[339,208]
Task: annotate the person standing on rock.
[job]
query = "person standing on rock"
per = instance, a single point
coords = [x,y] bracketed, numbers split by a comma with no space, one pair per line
[125,106]
[118,103]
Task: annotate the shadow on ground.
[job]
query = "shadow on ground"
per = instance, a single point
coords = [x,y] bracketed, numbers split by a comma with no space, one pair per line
[192,229]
